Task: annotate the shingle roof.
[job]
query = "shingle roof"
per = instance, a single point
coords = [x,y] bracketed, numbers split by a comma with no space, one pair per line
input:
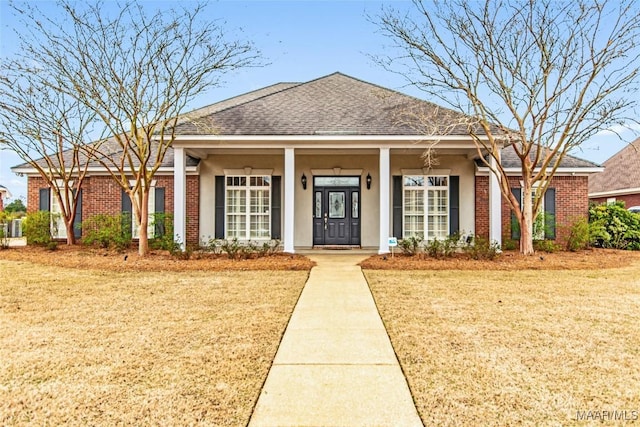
[334,104]
[621,171]
[111,148]
[511,160]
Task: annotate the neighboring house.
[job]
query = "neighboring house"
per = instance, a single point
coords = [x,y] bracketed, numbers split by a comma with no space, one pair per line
[330,162]
[4,193]
[620,180]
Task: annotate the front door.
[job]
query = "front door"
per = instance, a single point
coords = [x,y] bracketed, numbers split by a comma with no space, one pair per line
[336,216]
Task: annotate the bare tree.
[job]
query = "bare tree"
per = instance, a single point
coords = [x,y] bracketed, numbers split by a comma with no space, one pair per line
[47,129]
[137,71]
[540,75]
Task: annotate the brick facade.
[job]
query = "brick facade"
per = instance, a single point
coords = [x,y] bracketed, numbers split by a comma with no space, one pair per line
[102,195]
[628,199]
[571,203]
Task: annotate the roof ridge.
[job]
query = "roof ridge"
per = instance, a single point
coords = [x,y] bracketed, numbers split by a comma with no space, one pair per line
[206,107]
[633,145]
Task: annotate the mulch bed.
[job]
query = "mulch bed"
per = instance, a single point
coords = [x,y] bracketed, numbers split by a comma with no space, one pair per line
[101,259]
[592,259]
[91,258]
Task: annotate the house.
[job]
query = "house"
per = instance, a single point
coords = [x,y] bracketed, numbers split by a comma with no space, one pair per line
[620,180]
[4,193]
[334,161]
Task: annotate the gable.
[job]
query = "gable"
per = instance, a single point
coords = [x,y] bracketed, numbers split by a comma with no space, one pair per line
[621,171]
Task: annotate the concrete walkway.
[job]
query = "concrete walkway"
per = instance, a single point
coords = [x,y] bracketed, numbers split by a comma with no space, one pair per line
[335,365]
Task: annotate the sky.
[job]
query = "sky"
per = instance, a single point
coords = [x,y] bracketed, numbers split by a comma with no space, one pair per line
[300,41]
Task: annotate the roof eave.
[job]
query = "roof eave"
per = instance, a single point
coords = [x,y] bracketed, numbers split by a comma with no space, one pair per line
[610,193]
[320,141]
[573,171]
[101,170]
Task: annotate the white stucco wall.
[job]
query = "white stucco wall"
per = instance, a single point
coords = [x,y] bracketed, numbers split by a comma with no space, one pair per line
[305,162]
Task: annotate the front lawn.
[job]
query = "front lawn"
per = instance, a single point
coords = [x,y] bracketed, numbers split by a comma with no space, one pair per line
[107,347]
[516,347]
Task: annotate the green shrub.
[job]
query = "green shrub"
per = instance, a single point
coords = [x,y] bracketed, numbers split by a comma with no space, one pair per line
[510,244]
[548,246]
[435,248]
[4,237]
[108,231]
[36,227]
[446,248]
[212,245]
[579,235]
[231,247]
[612,226]
[235,249]
[481,248]
[411,245]
[268,248]
[163,232]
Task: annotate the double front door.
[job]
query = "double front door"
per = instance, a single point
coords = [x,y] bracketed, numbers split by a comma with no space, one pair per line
[336,211]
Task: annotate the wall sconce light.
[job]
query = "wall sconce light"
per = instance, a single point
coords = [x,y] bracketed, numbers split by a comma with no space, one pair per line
[368,181]
[303,180]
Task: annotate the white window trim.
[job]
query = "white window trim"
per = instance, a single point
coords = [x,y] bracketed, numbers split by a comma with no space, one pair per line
[247,214]
[425,189]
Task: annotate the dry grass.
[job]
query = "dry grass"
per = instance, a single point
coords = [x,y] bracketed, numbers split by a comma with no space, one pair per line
[509,347]
[83,347]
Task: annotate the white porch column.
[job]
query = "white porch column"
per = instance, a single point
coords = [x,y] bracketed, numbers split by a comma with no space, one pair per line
[495,207]
[289,198]
[179,196]
[384,200]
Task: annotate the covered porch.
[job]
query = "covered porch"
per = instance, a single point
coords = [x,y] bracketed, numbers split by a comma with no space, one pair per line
[333,190]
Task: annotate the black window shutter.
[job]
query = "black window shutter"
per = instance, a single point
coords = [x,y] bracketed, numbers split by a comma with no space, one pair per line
[127,213]
[454,204]
[397,206]
[515,227]
[44,203]
[219,207]
[77,220]
[159,209]
[276,203]
[550,214]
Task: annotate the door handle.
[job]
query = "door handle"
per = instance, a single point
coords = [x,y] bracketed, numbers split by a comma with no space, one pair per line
[325,220]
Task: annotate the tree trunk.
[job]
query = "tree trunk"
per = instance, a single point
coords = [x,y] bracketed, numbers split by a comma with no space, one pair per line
[71,237]
[526,223]
[143,236]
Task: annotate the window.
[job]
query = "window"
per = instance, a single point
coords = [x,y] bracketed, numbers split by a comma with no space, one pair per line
[248,207]
[426,206]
